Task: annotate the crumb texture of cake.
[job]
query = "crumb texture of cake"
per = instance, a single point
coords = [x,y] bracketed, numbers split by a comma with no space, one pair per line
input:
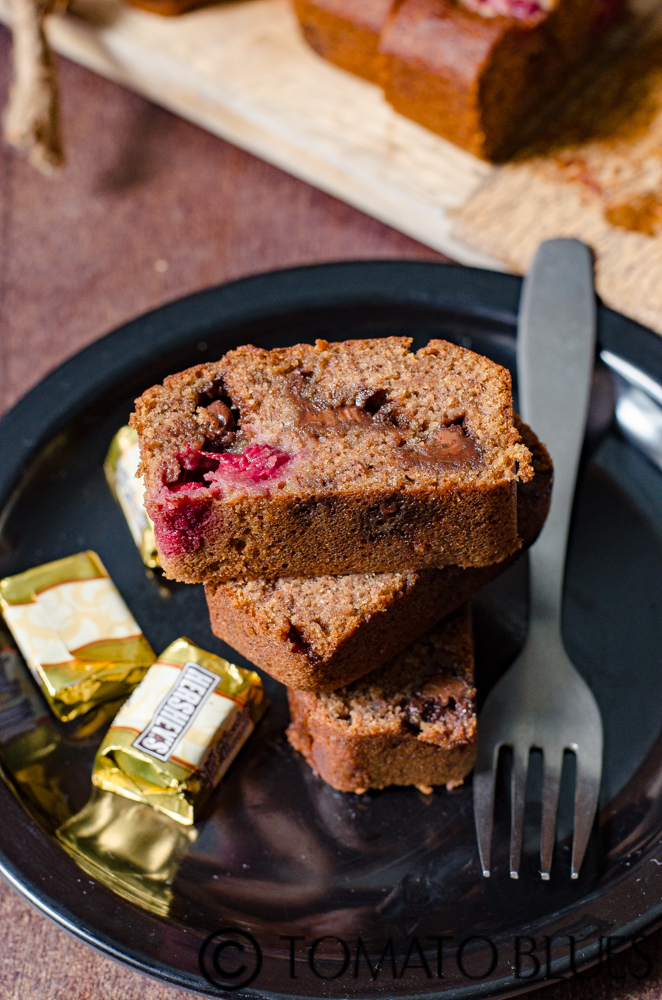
[475,72]
[332,459]
[322,633]
[412,722]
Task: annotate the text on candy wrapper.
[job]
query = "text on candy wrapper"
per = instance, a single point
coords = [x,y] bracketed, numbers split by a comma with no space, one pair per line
[177,711]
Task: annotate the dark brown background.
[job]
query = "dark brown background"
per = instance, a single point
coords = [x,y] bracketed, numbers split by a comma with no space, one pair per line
[150,208]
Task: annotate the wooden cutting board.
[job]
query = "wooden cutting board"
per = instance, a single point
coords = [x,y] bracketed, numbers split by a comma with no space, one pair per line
[241,70]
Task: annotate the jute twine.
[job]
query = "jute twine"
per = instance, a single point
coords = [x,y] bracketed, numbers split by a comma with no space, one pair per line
[32,119]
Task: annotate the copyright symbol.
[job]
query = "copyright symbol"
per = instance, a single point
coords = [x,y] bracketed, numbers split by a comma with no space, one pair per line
[230,958]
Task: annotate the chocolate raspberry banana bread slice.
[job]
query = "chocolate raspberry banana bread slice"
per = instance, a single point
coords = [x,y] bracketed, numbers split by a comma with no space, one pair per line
[412,722]
[317,460]
[321,633]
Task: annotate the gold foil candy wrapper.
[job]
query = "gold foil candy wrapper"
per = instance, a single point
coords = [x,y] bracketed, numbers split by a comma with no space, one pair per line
[174,739]
[77,635]
[129,847]
[41,758]
[120,466]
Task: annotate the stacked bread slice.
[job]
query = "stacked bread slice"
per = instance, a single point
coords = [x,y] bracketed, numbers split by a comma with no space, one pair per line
[341,503]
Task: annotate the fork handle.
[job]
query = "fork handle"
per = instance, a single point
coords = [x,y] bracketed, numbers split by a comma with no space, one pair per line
[555,358]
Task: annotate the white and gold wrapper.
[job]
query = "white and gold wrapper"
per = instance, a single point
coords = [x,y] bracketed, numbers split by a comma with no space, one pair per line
[121,468]
[176,736]
[79,639]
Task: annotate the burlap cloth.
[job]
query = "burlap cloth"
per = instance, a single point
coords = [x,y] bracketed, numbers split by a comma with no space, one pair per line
[32,119]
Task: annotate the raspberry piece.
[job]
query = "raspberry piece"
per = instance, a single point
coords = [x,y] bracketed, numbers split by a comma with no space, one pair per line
[258,463]
[180,527]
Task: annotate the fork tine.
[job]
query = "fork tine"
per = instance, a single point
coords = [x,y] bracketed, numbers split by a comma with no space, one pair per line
[587,790]
[517,797]
[551,784]
[483,784]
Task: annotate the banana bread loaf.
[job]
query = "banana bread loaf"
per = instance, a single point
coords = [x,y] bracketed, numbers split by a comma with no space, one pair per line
[354,457]
[322,633]
[474,71]
[411,722]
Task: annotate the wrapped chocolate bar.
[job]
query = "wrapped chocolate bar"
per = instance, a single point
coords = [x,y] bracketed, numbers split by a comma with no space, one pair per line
[121,466]
[129,847]
[174,739]
[38,756]
[77,635]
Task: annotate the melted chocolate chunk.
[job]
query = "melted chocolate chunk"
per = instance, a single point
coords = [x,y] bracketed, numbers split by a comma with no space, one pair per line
[222,417]
[221,430]
[215,390]
[317,418]
[439,694]
[368,409]
[443,685]
[336,420]
[222,414]
[447,446]
[384,412]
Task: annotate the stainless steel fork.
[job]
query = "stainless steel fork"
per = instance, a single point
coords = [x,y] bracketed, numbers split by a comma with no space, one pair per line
[542,702]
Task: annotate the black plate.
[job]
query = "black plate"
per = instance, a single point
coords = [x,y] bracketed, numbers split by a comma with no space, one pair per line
[281,854]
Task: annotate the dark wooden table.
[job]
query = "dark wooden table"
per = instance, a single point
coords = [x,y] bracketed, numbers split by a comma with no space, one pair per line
[151,208]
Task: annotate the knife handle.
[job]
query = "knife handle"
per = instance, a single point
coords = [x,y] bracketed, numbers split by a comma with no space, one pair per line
[555,359]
